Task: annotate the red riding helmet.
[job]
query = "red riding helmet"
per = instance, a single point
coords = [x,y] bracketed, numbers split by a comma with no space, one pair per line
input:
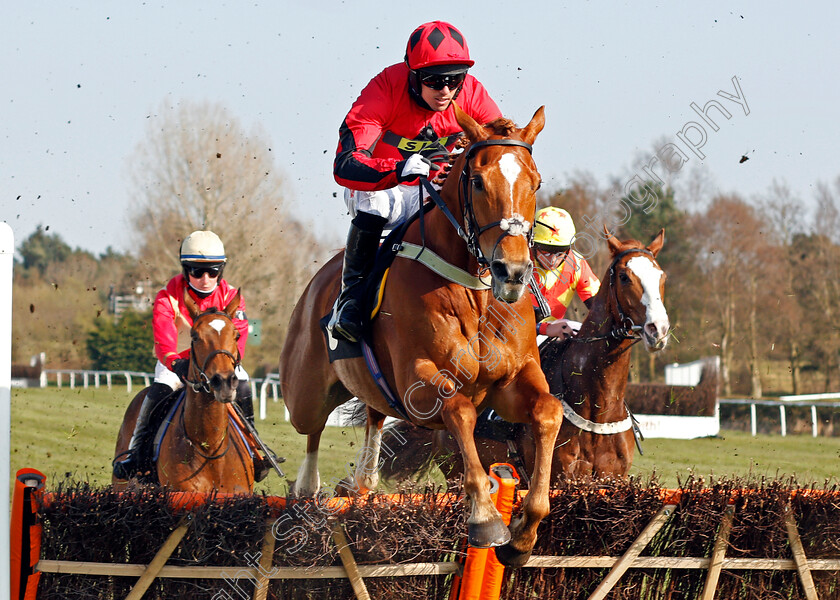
[435,44]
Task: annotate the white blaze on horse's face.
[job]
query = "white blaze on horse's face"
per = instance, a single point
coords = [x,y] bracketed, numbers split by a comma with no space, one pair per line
[217,324]
[510,168]
[655,329]
[510,275]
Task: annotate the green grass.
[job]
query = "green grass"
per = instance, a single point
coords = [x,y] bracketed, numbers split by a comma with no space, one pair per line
[72,433]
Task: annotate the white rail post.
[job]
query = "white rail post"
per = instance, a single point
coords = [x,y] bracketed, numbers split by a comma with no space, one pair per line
[7,254]
[814,427]
[784,420]
[752,419]
[127,382]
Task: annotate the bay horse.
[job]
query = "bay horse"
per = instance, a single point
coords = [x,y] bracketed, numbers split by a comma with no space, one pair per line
[444,349]
[200,451]
[588,374]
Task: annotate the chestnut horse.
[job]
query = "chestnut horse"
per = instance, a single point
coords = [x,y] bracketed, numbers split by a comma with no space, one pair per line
[200,451]
[587,373]
[444,349]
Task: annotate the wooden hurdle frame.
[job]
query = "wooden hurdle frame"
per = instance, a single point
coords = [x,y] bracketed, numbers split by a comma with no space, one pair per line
[477,580]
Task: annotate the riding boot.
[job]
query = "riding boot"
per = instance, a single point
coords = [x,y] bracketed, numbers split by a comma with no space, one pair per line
[138,456]
[245,400]
[362,243]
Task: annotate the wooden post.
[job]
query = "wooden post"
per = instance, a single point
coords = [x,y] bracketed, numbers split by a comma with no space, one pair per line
[635,549]
[718,554]
[160,559]
[359,587]
[266,560]
[799,555]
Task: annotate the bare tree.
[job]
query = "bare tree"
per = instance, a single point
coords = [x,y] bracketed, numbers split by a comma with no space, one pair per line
[732,245]
[198,168]
[786,218]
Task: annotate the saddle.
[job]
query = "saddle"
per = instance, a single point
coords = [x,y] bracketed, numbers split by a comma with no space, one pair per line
[374,289]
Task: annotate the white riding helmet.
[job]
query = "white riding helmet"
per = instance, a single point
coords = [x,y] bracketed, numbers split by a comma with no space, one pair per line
[202,247]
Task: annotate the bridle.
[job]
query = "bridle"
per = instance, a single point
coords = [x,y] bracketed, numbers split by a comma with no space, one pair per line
[627,329]
[471,231]
[203,382]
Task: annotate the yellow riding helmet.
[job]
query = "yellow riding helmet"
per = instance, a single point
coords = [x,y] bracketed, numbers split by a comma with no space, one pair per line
[553,227]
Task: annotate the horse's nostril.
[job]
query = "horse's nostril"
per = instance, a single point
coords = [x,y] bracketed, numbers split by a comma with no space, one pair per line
[651,329]
[499,269]
[216,381]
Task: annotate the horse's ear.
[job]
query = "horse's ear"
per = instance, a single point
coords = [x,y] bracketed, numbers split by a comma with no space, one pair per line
[474,131]
[656,245]
[612,242]
[192,307]
[233,305]
[532,129]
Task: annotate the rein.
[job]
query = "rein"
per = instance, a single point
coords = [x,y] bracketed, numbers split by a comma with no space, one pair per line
[198,446]
[472,232]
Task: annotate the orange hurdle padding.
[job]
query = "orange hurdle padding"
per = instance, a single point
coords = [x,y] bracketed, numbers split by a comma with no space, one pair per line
[481,563]
[25,534]
[508,478]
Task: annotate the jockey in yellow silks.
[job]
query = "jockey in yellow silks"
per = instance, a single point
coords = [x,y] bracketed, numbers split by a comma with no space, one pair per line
[559,271]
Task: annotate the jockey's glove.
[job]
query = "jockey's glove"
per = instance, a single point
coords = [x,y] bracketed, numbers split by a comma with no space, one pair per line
[181,367]
[412,167]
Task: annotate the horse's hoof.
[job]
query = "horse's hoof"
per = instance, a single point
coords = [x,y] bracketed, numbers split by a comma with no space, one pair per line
[487,535]
[511,557]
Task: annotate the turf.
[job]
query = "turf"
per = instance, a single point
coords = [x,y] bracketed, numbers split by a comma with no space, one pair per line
[71,434]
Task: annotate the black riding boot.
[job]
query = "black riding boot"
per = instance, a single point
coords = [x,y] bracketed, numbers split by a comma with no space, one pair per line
[245,400]
[362,243]
[138,449]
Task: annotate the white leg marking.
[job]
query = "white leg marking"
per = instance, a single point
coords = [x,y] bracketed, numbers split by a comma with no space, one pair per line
[367,465]
[308,480]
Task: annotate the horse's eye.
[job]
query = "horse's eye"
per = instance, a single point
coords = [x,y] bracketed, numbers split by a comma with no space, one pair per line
[478,184]
[194,335]
[624,277]
[539,185]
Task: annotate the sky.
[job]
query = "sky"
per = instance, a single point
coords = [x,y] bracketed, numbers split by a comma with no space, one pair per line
[80,80]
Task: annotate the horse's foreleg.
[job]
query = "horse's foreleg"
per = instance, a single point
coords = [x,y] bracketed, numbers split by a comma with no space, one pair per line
[485,525]
[308,480]
[546,418]
[367,465]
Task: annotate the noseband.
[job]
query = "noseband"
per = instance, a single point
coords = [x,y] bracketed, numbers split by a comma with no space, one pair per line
[203,383]
[473,230]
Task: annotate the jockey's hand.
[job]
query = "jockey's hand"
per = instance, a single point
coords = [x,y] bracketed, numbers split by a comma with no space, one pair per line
[559,329]
[412,167]
[181,367]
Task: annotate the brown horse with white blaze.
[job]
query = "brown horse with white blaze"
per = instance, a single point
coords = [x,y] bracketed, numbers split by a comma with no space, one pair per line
[445,349]
[200,451]
[588,374]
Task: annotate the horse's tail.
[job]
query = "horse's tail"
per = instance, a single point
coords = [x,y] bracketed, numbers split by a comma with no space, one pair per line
[413,451]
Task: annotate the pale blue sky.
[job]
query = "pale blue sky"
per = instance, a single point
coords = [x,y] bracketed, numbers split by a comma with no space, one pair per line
[80,78]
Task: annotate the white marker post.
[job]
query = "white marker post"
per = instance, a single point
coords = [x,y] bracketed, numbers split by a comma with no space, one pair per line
[7,254]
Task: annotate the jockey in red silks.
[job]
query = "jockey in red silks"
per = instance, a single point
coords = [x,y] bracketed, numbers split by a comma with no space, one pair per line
[203,261]
[559,271]
[401,123]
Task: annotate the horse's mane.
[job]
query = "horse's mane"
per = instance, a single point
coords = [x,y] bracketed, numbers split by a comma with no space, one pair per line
[502,126]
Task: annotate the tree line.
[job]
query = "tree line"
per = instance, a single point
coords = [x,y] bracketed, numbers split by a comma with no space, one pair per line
[752,281]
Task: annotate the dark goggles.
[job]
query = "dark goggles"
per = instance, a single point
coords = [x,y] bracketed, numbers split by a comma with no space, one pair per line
[545,249]
[438,82]
[198,272]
